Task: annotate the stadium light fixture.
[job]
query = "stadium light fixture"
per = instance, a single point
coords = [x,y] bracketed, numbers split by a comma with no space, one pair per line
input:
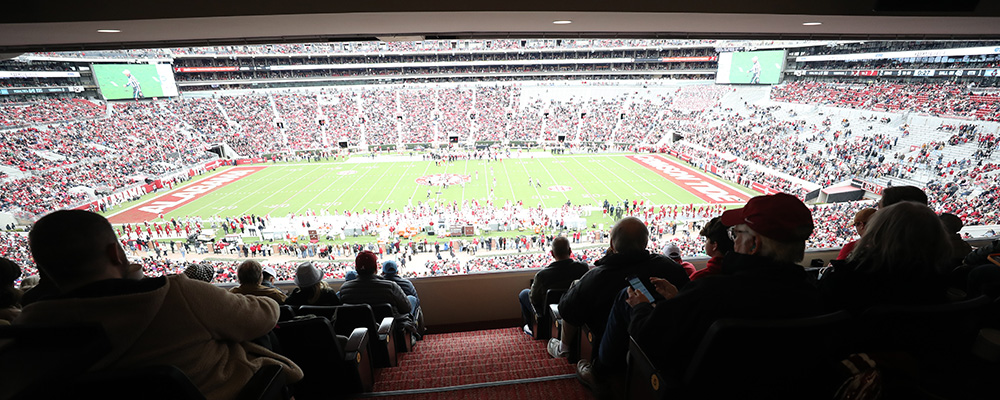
[812,23]
[562,22]
[109,30]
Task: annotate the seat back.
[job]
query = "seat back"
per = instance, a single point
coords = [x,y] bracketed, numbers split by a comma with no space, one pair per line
[404,341]
[348,317]
[769,357]
[541,329]
[33,357]
[285,312]
[328,312]
[312,344]
[935,334]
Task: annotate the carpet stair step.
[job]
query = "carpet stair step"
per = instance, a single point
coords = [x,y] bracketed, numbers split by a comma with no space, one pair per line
[470,369]
[477,360]
[431,379]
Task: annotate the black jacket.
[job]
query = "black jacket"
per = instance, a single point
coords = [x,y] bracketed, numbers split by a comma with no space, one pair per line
[371,289]
[747,287]
[557,275]
[327,297]
[590,300]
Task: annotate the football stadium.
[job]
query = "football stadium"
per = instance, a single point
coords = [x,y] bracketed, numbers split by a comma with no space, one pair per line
[706,211]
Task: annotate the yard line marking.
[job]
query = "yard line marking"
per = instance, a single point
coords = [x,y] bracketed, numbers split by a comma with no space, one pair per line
[241,184]
[396,186]
[539,194]
[584,187]
[512,199]
[370,187]
[553,178]
[611,192]
[247,211]
[321,192]
[417,187]
[648,183]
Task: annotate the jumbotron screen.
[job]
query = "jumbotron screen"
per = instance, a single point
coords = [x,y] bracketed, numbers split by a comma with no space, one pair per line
[135,81]
[753,67]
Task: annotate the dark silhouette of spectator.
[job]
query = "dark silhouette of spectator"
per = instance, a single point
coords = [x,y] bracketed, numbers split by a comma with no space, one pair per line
[10,297]
[311,290]
[959,248]
[201,329]
[758,279]
[557,275]
[717,244]
[901,259]
[589,300]
[860,221]
[896,194]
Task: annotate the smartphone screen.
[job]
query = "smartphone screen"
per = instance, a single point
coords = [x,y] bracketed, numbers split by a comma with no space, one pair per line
[640,287]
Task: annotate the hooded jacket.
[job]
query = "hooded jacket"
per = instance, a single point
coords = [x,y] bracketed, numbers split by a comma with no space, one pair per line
[201,329]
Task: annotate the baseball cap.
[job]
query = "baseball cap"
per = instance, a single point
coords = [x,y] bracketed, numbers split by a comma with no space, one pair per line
[779,216]
[390,267]
[671,250]
[270,271]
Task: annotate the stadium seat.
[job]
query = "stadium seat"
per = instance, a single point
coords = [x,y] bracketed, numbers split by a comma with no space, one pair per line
[333,367]
[286,312]
[404,340]
[552,296]
[588,342]
[52,363]
[926,347]
[30,355]
[555,321]
[741,358]
[350,316]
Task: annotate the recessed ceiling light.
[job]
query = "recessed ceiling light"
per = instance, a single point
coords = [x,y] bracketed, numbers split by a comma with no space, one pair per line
[812,23]
[562,22]
[109,30]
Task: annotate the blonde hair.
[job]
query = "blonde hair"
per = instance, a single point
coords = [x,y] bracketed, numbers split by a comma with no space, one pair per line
[905,239]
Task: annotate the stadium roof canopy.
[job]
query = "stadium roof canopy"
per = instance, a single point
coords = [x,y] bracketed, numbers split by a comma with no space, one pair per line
[53,25]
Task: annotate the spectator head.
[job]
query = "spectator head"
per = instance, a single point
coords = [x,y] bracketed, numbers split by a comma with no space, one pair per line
[773,226]
[560,248]
[628,235]
[9,272]
[861,219]
[671,250]
[250,273]
[952,223]
[366,263]
[389,267]
[201,272]
[717,241]
[895,194]
[307,275]
[903,240]
[350,276]
[76,247]
[269,273]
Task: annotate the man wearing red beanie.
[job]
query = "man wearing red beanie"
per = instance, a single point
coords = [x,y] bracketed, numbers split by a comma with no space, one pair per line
[369,288]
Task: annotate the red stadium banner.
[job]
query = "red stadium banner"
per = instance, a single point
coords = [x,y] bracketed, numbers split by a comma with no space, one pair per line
[206,69]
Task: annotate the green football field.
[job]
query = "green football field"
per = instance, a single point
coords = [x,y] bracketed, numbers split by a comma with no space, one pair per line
[112,80]
[361,183]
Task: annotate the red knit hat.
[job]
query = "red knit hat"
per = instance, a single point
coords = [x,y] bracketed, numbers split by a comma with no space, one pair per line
[366,263]
[779,216]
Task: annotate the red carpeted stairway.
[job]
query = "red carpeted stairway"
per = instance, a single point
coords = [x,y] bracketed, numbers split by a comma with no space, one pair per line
[502,364]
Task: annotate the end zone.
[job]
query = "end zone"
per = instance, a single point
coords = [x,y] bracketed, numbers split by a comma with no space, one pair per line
[697,183]
[171,201]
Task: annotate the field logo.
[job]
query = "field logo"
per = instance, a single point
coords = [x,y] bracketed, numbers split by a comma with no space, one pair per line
[692,181]
[443,179]
[560,188]
[173,200]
